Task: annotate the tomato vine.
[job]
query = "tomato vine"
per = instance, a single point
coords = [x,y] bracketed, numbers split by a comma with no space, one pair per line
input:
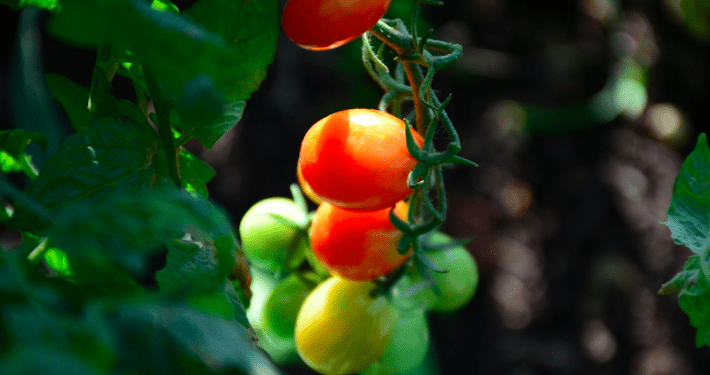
[417,60]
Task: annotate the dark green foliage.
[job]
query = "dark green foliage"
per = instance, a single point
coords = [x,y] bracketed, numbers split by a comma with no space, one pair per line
[125,264]
[689,222]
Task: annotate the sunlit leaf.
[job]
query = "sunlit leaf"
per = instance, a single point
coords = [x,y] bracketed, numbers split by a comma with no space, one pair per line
[12,149]
[689,212]
[694,299]
[50,5]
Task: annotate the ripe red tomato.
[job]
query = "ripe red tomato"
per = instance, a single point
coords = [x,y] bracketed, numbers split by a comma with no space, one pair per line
[358,159]
[327,24]
[357,245]
[307,189]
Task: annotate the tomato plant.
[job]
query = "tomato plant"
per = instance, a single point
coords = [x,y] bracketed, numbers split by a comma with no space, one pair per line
[358,159]
[272,233]
[327,24]
[123,193]
[342,329]
[456,286]
[115,234]
[357,245]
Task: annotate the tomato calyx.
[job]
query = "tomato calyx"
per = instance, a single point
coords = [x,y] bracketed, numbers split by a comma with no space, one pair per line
[447,286]
[301,240]
[422,265]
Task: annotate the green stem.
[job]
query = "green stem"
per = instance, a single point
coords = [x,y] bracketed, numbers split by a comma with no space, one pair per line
[29,169]
[162,110]
[38,252]
[405,47]
[10,191]
[384,287]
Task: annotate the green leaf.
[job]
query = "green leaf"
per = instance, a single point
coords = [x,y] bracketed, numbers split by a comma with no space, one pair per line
[12,150]
[193,268]
[126,63]
[689,212]
[164,6]
[220,344]
[694,299]
[109,157]
[194,174]
[102,103]
[51,5]
[58,260]
[131,226]
[251,29]
[44,359]
[209,133]
[203,172]
[175,48]
[133,113]
[190,266]
[103,160]
[73,97]
[200,103]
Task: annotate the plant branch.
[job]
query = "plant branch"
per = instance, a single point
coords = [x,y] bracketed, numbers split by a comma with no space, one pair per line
[162,110]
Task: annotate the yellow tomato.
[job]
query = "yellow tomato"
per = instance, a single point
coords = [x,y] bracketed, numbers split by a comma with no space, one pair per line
[342,329]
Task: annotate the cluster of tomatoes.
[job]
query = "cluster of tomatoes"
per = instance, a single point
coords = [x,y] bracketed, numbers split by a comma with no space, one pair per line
[316,285]
[331,288]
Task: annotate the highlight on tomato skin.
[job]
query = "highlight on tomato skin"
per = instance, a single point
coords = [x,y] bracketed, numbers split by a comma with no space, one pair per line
[358,159]
[357,245]
[326,24]
[307,189]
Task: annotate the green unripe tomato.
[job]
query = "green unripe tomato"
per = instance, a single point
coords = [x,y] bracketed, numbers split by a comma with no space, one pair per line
[281,350]
[282,306]
[456,287]
[409,345]
[270,232]
[262,284]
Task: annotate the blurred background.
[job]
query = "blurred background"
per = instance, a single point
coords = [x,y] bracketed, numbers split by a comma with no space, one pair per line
[579,114]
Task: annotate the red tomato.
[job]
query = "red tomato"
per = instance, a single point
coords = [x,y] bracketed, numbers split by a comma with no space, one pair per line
[327,24]
[307,189]
[357,245]
[358,159]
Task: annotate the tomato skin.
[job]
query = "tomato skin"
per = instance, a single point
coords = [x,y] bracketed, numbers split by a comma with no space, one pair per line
[456,287]
[261,287]
[281,350]
[266,240]
[357,245]
[282,306]
[358,159]
[327,24]
[342,329]
[408,347]
[307,189]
